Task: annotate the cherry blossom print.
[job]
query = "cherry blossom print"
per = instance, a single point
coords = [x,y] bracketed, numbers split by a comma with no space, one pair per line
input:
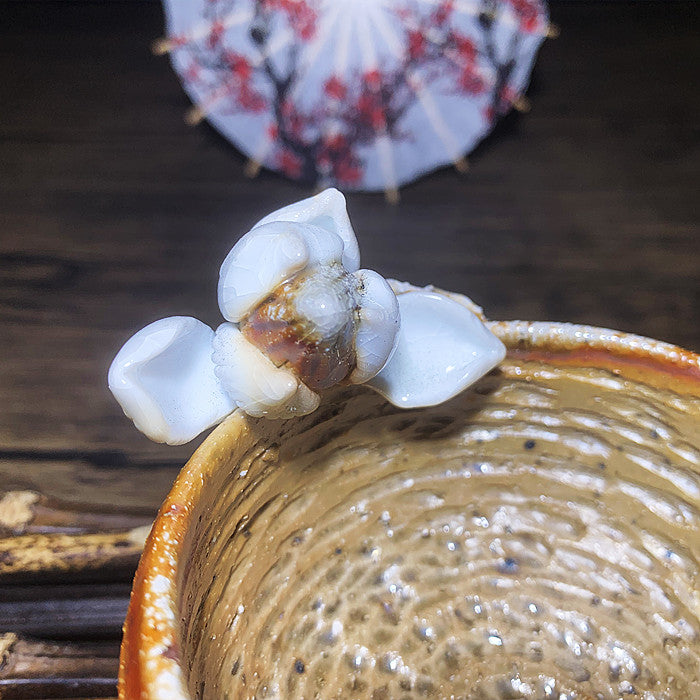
[364,94]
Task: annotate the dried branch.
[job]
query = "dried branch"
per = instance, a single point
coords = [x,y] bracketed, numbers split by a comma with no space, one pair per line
[33,669]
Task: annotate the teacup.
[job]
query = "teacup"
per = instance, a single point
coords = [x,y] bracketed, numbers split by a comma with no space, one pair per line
[537,536]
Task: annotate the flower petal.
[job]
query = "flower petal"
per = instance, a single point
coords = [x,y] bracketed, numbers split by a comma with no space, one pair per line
[259,262]
[327,210]
[163,378]
[254,383]
[442,348]
[377,328]
[304,401]
[324,246]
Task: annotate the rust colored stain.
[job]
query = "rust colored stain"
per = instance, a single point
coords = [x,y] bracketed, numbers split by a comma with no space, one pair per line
[139,634]
[635,365]
[288,340]
[130,684]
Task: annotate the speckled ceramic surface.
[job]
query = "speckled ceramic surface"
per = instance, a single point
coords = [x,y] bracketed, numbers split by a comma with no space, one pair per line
[538,536]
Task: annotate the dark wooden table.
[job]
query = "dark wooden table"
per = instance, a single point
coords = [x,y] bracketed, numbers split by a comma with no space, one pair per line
[114,213]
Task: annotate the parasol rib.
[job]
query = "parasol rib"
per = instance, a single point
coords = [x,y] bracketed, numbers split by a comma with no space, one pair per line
[201,31]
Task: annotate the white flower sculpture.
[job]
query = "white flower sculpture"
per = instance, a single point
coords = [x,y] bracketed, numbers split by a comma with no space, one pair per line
[300,317]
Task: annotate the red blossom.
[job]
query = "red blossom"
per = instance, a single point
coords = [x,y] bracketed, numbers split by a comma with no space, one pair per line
[373,79]
[347,170]
[250,100]
[304,21]
[300,15]
[292,121]
[336,142]
[508,95]
[296,125]
[471,82]
[416,44]
[192,72]
[337,157]
[287,108]
[330,149]
[239,65]
[465,48]
[371,111]
[289,163]
[528,12]
[529,24]
[442,12]
[335,88]
[215,33]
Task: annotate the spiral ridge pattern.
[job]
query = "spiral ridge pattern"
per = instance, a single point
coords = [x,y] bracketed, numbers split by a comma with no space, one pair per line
[536,537]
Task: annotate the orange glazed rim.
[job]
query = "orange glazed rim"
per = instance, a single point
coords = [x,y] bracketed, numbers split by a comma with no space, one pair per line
[149,664]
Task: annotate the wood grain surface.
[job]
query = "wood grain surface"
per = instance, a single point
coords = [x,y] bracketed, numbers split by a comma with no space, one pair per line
[113,212]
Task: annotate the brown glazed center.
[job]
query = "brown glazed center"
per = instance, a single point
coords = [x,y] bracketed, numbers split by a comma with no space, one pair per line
[288,337]
[537,537]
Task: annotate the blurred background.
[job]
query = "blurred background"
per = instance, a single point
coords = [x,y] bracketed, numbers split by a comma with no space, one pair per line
[114,212]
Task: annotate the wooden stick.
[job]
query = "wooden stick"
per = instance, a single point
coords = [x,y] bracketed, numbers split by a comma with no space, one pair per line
[252,168]
[43,541]
[161,46]
[46,540]
[77,612]
[522,104]
[552,31]
[28,512]
[392,195]
[194,116]
[57,556]
[33,669]
[461,165]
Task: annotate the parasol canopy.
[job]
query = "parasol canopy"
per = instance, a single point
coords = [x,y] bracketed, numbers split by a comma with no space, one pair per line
[361,94]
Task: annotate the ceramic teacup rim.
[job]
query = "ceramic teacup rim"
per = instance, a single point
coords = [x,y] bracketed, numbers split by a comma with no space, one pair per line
[149,661]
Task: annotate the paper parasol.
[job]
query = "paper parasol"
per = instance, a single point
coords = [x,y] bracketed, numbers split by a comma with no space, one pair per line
[362,94]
